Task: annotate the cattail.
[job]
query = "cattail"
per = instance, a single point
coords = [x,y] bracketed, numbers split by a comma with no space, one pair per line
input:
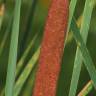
[52,49]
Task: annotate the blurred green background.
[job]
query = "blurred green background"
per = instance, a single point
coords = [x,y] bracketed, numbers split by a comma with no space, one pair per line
[33,18]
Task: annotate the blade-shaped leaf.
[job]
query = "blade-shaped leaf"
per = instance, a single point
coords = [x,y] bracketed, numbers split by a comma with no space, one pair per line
[85,53]
[23,77]
[78,59]
[10,80]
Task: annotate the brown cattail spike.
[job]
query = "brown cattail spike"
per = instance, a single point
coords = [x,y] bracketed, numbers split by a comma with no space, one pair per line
[52,49]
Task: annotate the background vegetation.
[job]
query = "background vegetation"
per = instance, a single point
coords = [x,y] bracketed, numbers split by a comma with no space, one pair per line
[33,15]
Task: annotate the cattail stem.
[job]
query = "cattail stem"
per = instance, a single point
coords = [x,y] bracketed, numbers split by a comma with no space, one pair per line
[52,49]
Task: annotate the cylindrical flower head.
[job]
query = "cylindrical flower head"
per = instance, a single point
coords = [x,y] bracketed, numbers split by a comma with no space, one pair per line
[52,49]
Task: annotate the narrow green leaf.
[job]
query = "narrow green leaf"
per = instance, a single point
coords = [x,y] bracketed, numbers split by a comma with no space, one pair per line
[25,54]
[71,11]
[13,51]
[78,59]
[85,53]
[23,77]
[86,89]
[3,42]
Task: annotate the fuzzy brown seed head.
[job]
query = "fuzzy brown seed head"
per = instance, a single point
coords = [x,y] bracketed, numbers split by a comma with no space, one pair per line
[52,49]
